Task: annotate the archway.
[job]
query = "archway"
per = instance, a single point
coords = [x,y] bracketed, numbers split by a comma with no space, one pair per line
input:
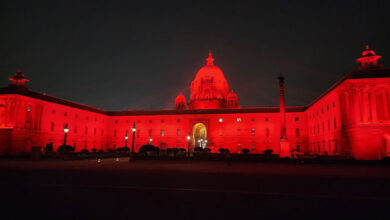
[199,135]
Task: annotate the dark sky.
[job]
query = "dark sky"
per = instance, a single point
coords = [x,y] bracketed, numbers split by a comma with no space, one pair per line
[141,54]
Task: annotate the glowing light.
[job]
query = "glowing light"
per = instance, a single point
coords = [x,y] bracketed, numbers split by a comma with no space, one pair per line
[220,120]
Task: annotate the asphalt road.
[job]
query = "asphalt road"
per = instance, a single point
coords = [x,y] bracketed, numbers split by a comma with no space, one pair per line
[87,189]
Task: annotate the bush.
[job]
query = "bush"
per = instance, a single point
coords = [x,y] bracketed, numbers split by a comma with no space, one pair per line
[221,150]
[101,151]
[198,149]
[49,148]
[84,151]
[182,150]
[207,150]
[148,148]
[123,149]
[173,151]
[65,148]
[94,150]
[245,151]
[111,150]
[268,152]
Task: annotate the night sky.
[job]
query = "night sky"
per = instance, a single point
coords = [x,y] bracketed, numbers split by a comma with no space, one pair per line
[141,54]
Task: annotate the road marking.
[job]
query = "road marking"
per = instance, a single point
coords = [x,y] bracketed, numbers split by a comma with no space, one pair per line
[278,194]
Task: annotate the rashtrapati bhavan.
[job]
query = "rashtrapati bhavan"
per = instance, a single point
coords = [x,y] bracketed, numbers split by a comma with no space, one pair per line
[351,119]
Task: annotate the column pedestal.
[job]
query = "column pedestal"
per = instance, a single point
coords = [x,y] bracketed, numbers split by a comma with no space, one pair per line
[284,148]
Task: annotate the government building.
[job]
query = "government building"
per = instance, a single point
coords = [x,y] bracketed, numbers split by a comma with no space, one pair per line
[351,119]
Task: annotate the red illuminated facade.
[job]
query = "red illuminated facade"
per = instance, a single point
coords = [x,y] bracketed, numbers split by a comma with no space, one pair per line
[351,119]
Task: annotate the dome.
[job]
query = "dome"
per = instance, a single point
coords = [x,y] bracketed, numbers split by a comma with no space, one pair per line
[368,52]
[180,99]
[232,96]
[369,60]
[209,83]
[180,102]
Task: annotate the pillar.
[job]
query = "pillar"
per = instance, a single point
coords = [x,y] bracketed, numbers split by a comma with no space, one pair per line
[284,144]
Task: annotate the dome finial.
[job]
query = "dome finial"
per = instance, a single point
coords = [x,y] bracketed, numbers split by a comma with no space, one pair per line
[210,59]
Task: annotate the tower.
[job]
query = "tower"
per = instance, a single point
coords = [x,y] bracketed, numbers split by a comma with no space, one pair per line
[369,59]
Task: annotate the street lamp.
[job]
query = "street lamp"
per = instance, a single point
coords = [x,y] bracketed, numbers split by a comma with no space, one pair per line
[132,143]
[150,140]
[126,138]
[66,130]
[188,139]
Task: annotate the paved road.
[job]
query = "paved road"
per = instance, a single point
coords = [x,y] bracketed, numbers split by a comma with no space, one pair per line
[192,190]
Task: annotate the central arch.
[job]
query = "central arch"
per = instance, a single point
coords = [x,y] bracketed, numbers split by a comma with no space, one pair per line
[199,132]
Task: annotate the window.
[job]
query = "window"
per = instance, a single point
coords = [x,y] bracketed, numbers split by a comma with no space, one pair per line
[95,119]
[150,121]
[86,118]
[178,132]
[94,131]
[127,121]
[102,132]
[150,132]
[162,121]
[52,126]
[266,119]
[162,132]
[115,133]
[116,121]
[86,130]
[334,123]
[178,120]
[220,132]
[65,114]
[76,116]
[328,125]
[238,119]
[239,132]
[53,111]
[296,118]
[253,147]
[334,104]
[138,121]
[253,131]
[297,132]
[220,120]
[299,148]
[252,120]
[75,129]
[267,132]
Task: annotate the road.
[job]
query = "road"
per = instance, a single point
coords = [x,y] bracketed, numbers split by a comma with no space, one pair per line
[86,189]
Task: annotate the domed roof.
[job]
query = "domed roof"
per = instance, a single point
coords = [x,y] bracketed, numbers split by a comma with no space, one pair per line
[232,96]
[180,99]
[209,75]
[368,52]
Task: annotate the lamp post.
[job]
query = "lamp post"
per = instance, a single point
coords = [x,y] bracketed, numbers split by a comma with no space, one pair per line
[188,139]
[150,140]
[132,143]
[66,130]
